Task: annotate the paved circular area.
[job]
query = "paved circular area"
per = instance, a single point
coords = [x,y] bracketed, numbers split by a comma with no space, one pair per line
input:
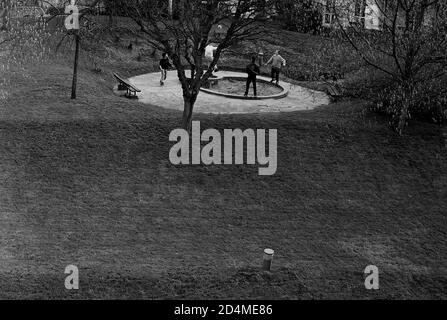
[170,96]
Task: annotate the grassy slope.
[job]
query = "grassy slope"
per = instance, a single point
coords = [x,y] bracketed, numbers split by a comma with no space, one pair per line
[89,183]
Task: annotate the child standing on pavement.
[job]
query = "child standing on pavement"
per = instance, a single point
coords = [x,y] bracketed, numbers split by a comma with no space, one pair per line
[277,63]
[165,64]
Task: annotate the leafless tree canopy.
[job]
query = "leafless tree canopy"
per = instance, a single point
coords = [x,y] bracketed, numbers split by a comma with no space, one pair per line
[411,47]
[186,36]
[413,38]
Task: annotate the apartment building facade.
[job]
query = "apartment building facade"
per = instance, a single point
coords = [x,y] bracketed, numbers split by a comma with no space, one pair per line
[369,14]
[365,13]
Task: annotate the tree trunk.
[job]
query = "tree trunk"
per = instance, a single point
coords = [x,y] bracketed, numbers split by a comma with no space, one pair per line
[407,101]
[75,67]
[187,113]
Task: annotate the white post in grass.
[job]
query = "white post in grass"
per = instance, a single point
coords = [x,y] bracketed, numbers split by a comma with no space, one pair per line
[170,8]
[267,261]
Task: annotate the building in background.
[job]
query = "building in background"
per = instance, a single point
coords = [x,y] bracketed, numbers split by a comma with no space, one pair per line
[365,13]
[369,14]
[46,4]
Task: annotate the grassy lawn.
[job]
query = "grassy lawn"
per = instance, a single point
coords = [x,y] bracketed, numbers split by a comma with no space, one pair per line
[89,183]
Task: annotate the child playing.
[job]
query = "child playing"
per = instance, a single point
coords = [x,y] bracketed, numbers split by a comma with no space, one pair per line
[165,64]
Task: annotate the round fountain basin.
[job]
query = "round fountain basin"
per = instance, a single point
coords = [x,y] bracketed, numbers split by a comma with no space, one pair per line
[234,87]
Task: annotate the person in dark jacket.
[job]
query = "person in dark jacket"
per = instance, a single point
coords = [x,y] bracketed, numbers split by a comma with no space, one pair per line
[165,64]
[252,71]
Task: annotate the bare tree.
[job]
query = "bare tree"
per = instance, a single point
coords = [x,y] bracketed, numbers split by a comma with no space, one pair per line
[22,38]
[410,46]
[185,38]
[20,27]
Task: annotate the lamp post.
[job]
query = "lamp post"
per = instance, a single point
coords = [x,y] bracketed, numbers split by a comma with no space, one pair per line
[72,25]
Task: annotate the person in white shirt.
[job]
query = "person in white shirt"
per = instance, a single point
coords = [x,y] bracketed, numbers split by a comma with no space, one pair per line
[277,63]
[209,55]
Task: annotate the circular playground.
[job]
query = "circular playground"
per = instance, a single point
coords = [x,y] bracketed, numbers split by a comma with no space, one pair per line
[226,95]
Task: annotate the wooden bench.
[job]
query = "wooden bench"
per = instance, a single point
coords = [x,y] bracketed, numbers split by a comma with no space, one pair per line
[131,90]
[334,90]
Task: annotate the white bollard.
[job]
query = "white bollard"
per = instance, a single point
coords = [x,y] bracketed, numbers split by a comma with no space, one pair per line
[267,261]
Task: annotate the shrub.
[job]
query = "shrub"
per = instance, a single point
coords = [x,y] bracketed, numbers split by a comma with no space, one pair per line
[54,11]
[365,83]
[426,101]
[300,15]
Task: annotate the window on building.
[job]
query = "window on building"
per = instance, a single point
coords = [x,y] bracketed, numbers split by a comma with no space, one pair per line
[360,8]
[329,12]
[359,12]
